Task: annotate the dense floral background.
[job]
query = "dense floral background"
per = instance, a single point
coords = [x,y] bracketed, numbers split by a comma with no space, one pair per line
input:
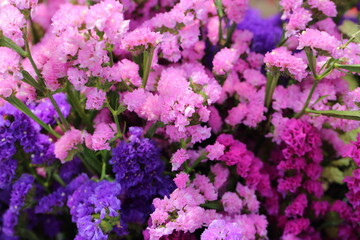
[179,120]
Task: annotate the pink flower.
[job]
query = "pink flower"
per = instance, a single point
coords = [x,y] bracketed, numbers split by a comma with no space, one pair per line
[102,135]
[316,39]
[296,226]
[215,121]
[95,99]
[355,95]
[77,78]
[297,206]
[254,77]
[283,59]
[178,158]
[140,39]
[181,180]
[232,203]
[215,151]
[236,9]
[221,175]
[66,146]
[298,20]
[328,7]
[11,23]
[107,17]
[24,4]
[205,187]
[320,208]
[224,60]
[8,85]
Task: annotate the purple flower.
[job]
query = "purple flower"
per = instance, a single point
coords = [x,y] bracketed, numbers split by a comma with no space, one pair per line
[19,192]
[267,31]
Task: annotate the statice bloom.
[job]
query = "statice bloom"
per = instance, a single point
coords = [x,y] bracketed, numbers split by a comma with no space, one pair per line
[95,99]
[297,207]
[185,204]
[319,40]
[353,151]
[59,197]
[178,158]
[296,226]
[224,60]
[12,22]
[354,190]
[282,59]
[19,191]
[220,229]
[46,111]
[247,165]
[215,151]
[107,17]
[94,202]
[355,95]
[24,4]
[136,163]
[298,21]
[176,105]
[235,9]
[140,39]
[17,128]
[266,31]
[66,146]
[328,7]
[181,180]
[100,139]
[8,167]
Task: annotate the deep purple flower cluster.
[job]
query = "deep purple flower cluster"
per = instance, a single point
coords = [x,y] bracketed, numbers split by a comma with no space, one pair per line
[46,111]
[59,197]
[19,192]
[137,163]
[94,207]
[267,31]
[139,170]
[18,129]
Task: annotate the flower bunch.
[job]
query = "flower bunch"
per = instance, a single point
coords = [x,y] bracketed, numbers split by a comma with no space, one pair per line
[190,119]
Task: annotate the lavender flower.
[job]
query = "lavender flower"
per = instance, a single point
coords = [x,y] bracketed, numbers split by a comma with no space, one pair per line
[267,31]
[19,192]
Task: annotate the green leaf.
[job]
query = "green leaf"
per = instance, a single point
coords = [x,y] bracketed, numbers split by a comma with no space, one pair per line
[27,78]
[333,174]
[351,115]
[319,99]
[342,162]
[350,28]
[350,68]
[7,42]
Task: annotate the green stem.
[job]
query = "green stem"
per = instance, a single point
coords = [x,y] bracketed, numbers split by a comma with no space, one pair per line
[299,114]
[33,64]
[57,109]
[229,34]
[103,171]
[312,61]
[270,87]
[59,179]
[115,114]
[75,103]
[147,61]
[23,108]
[220,12]
[111,56]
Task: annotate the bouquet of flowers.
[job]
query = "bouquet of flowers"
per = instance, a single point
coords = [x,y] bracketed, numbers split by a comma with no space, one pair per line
[179,120]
